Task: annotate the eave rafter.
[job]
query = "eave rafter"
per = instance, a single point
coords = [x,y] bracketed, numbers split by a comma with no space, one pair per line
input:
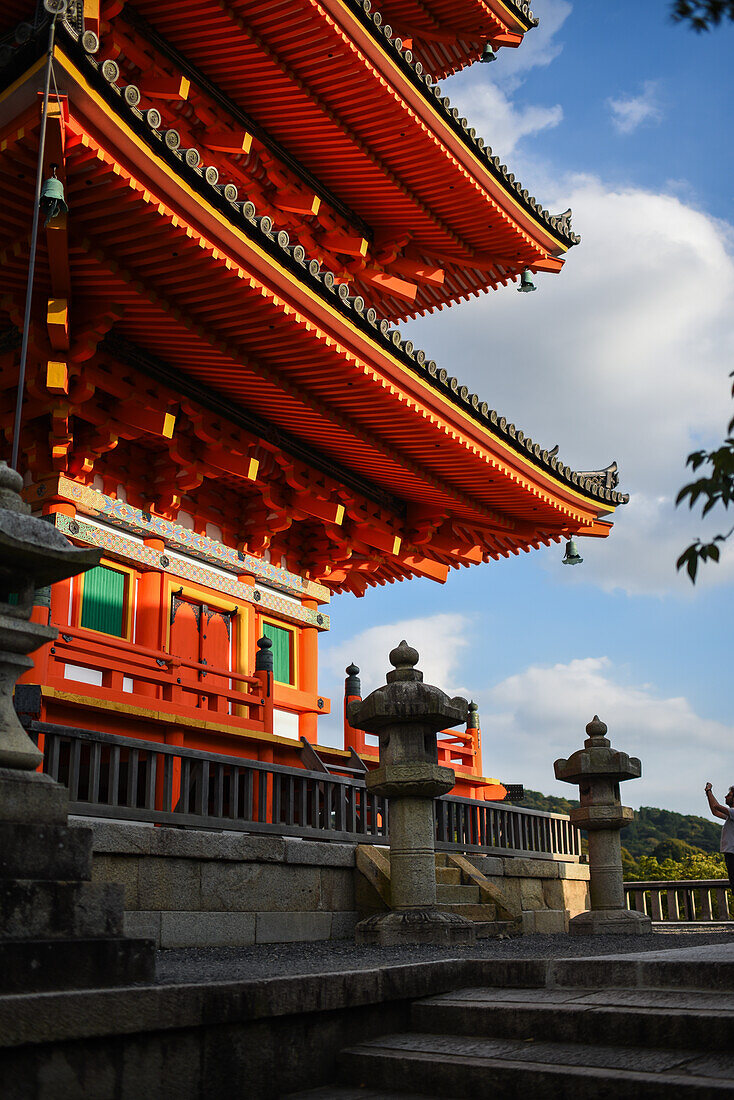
[459,229]
[196,307]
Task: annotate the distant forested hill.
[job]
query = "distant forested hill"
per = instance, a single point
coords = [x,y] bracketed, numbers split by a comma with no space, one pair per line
[654,832]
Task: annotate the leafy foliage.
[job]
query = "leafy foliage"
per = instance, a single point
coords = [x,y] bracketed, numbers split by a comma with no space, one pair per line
[702,15]
[696,865]
[715,487]
[658,844]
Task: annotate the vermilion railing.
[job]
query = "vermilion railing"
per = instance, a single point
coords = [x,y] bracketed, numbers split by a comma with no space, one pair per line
[132,780]
[178,685]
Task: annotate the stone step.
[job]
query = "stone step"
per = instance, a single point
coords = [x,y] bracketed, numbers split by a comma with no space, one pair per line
[448,876]
[471,911]
[333,1092]
[459,895]
[39,966]
[677,1019]
[448,1065]
[442,860]
[33,909]
[49,852]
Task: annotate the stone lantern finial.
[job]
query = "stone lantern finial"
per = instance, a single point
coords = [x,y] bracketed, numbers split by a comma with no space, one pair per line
[404,659]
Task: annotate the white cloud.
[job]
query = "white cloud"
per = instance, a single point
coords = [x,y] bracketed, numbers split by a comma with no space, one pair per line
[484,93]
[493,115]
[440,639]
[630,112]
[625,355]
[539,715]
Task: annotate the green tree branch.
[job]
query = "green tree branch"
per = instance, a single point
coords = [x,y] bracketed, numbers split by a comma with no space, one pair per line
[702,15]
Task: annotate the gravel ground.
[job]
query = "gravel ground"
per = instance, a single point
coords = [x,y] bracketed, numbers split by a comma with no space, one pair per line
[227,964]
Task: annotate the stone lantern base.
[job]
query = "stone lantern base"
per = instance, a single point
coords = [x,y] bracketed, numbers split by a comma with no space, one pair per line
[415,926]
[614,922]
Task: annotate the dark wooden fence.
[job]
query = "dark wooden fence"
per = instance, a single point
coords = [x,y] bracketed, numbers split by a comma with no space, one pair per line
[132,780]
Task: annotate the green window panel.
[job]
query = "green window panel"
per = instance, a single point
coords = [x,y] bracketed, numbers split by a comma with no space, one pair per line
[103,601]
[282,641]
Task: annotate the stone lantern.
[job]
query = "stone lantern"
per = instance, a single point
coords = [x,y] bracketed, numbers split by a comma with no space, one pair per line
[598,769]
[58,930]
[33,554]
[406,715]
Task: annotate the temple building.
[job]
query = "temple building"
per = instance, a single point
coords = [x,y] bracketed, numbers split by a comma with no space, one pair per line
[256,192]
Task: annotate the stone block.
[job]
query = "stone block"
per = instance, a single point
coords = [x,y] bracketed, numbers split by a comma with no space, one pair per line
[531,894]
[550,921]
[292,927]
[337,889]
[531,868]
[32,797]
[579,871]
[202,844]
[121,869]
[118,837]
[32,966]
[367,899]
[343,925]
[58,910]
[575,895]
[252,888]
[44,852]
[489,865]
[318,853]
[553,893]
[169,884]
[143,925]
[528,924]
[199,929]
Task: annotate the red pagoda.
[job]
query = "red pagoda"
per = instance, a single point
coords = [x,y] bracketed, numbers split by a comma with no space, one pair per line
[217,396]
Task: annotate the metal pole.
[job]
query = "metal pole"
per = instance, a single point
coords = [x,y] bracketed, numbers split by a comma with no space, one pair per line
[34,241]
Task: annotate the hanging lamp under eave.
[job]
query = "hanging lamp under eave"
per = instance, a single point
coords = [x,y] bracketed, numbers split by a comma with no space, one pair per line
[527,286]
[572,556]
[53,202]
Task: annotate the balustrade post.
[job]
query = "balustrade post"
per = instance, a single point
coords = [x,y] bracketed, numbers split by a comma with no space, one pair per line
[353,739]
[598,769]
[264,674]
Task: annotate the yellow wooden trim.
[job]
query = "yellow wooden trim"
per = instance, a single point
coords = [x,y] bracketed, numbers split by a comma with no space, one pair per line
[543,229]
[339,319]
[36,67]
[169,719]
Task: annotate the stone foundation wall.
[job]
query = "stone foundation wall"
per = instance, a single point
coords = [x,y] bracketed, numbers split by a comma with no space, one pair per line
[546,892]
[199,888]
[196,888]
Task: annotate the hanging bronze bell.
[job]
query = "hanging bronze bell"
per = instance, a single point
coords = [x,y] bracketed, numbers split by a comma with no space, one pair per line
[572,555]
[53,202]
[527,286]
[488,54]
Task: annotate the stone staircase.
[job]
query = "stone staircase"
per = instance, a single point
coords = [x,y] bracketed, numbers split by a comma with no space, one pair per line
[668,1034]
[58,930]
[460,889]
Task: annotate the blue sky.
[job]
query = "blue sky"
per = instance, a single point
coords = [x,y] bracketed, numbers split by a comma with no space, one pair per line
[625,355]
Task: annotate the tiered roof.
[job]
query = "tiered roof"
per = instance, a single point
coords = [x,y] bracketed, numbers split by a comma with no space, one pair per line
[301,418]
[445,36]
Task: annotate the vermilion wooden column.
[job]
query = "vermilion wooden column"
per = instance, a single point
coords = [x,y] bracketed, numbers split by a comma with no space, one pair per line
[148,618]
[309,675]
